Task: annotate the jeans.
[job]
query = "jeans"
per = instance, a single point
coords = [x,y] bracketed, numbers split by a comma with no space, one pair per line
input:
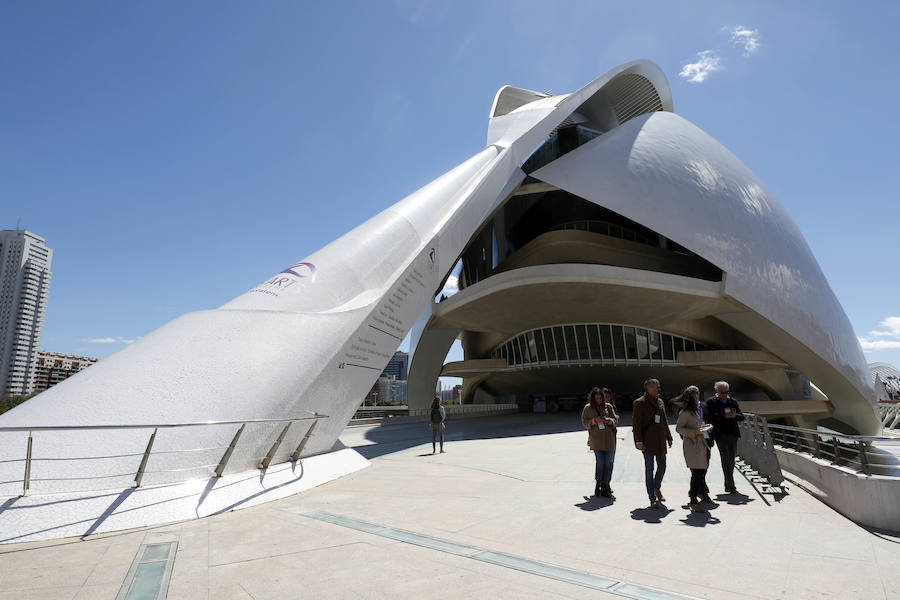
[437,432]
[654,483]
[727,449]
[604,465]
[698,484]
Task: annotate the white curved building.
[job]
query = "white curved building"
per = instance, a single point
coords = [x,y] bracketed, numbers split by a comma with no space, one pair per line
[591,214]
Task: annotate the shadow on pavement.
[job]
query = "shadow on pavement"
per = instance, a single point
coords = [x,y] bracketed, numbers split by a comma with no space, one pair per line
[700,519]
[396,438]
[651,515]
[592,503]
[734,499]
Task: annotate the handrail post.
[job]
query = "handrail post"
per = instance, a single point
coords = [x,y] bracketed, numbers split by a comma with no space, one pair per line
[26,481]
[295,456]
[268,459]
[140,472]
[863,459]
[220,468]
[834,442]
[817,448]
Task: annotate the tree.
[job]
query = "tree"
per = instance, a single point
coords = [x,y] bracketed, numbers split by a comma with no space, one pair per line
[8,401]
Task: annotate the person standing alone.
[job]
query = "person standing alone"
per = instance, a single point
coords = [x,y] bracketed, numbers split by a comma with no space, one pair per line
[438,416]
[600,419]
[651,436]
[723,412]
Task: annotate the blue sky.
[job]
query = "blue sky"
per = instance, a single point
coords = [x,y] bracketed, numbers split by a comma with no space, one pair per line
[175,154]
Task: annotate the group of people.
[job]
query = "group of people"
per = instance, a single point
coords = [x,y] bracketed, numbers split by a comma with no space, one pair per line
[701,425]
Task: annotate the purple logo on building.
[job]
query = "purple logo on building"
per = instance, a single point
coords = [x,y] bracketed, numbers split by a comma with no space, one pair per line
[431,255]
[302,269]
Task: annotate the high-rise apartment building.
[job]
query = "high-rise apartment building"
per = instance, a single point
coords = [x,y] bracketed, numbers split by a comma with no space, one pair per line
[53,367]
[398,366]
[24,284]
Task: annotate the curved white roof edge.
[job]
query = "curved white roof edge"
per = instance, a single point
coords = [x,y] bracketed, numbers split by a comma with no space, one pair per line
[705,199]
[534,121]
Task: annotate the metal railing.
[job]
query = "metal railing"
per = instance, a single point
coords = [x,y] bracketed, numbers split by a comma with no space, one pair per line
[379,412]
[141,469]
[756,448]
[852,451]
[466,409]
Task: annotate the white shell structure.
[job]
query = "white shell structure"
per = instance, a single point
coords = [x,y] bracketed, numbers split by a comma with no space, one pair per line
[316,336]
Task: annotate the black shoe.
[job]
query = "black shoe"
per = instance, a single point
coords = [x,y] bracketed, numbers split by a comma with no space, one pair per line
[609,491]
[731,490]
[604,490]
[706,499]
[659,496]
[597,489]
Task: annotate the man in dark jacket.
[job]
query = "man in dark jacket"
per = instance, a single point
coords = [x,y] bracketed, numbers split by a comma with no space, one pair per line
[651,436]
[724,413]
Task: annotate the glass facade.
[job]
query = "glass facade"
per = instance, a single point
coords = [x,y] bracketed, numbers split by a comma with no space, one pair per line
[601,343]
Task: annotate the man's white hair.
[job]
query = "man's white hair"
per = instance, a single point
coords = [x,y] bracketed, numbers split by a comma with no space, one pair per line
[721,384]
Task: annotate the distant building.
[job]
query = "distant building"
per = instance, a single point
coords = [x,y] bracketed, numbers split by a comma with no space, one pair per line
[398,366]
[888,375]
[53,367]
[380,392]
[24,284]
[451,395]
[398,391]
[386,389]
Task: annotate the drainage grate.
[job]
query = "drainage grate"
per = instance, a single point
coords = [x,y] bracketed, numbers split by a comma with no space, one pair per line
[549,571]
[148,577]
[588,580]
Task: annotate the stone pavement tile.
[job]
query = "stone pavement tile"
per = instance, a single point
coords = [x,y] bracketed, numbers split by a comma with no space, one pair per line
[54,593]
[44,575]
[106,591]
[323,573]
[113,566]
[268,533]
[821,578]
[187,589]
[508,591]
[887,558]
[73,554]
[190,578]
[236,591]
[832,535]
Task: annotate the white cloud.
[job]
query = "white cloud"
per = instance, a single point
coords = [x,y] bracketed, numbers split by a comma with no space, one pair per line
[451,287]
[697,72]
[110,340]
[871,345]
[892,325]
[889,335]
[748,38]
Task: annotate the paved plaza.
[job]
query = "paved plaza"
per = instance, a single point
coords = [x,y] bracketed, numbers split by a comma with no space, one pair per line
[505,513]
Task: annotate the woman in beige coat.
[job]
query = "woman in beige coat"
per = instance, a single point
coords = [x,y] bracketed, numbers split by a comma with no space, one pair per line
[600,419]
[694,431]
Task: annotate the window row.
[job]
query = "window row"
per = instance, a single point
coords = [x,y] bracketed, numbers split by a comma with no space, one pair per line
[593,342]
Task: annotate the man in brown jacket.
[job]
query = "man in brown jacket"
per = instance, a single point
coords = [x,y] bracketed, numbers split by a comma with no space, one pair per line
[651,436]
